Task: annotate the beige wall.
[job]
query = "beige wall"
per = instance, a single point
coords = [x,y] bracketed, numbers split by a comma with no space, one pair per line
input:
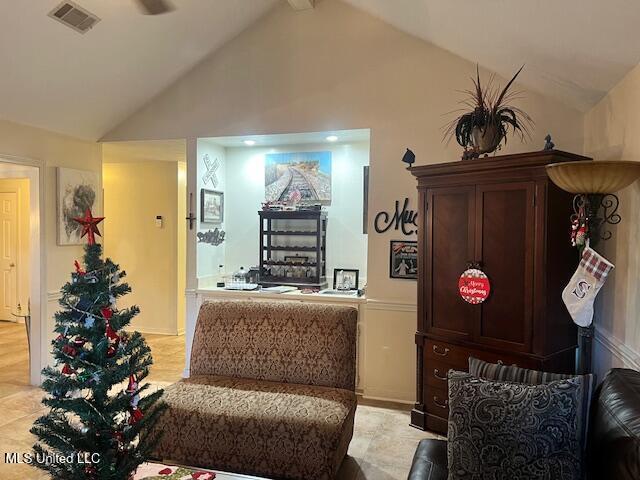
[53,150]
[56,151]
[21,187]
[337,68]
[611,133]
[134,193]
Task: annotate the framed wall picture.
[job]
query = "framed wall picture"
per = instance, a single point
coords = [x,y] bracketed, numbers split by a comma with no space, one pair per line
[77,191]
[298,177]
[345,279]
[403,259]
[211,206]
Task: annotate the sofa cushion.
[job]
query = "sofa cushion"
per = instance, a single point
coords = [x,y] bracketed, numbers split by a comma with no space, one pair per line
[615,440]
[312,344]
[513,430]
[429,461]
[257,427]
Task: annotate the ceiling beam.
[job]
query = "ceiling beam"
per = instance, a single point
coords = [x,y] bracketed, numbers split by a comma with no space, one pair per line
[301,4]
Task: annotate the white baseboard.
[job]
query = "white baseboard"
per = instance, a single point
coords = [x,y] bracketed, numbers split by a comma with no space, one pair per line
[154,331]
[386,399]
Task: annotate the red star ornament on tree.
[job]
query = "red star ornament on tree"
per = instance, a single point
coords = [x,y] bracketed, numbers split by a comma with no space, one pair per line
[89,226]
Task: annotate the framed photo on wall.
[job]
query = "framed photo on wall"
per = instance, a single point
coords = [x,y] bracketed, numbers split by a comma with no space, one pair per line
[77,191]
[403,259]
[211,206]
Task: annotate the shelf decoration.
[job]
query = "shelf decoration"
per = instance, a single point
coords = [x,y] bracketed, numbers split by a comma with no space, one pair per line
[345,279]
[490,115]
[284,233]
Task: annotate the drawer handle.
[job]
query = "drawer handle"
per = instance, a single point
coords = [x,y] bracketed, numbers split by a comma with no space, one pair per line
[436,373]
[440,404]
[442,353]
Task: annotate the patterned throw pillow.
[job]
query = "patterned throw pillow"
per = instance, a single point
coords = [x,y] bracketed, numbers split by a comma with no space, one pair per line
[512,373]
[510,431]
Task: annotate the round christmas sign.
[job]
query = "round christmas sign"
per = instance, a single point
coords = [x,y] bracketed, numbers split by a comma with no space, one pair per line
[474,286]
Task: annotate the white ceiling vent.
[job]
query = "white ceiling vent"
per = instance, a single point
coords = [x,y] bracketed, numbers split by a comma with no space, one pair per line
[74,16]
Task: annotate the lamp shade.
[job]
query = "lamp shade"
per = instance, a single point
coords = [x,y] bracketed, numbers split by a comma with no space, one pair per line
[594,176]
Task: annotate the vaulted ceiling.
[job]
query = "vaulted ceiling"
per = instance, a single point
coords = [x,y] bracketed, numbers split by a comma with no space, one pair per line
[574,50]
[83,85]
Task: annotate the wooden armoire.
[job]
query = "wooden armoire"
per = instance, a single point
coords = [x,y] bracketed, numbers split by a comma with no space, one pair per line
[503,215]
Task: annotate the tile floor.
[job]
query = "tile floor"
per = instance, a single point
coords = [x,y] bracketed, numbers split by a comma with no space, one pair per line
[382,446]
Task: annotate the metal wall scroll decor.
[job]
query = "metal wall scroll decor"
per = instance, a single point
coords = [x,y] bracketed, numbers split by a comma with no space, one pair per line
[596,211]
[212,237]
[403,219]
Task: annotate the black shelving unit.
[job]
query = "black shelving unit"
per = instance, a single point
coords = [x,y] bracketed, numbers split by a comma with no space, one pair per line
[293,234]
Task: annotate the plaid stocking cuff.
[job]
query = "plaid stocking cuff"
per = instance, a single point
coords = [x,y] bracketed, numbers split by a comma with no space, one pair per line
[595,264]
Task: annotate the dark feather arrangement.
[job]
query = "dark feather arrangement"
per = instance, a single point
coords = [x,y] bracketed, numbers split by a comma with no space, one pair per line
[488,117]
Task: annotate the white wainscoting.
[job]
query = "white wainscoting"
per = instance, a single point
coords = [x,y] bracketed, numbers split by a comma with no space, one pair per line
[611,352]
[390,352]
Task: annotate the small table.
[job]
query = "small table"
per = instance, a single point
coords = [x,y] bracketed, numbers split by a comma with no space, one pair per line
[159,471]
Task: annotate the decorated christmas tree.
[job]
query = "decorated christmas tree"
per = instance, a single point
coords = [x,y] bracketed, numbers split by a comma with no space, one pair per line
[98,423]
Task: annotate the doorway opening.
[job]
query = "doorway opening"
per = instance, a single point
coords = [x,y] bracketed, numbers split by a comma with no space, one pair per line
[20,274]
[145,206]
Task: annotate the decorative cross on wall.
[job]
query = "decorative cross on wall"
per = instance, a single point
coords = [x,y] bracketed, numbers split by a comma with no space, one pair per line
[212,168]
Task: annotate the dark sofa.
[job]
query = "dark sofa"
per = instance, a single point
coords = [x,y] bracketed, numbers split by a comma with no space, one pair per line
[614,434]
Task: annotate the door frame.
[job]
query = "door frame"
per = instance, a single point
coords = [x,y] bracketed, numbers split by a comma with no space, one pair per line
[35,171]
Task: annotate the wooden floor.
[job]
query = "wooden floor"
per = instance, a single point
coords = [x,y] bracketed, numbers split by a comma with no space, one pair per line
[381,449]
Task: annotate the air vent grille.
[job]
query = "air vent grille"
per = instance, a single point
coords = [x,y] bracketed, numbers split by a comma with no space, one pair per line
[74,16]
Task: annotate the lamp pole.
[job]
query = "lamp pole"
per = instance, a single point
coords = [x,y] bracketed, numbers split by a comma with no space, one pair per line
[600,209]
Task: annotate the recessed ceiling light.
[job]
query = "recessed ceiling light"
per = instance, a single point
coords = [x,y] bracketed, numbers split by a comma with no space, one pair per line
[249,143]
[332,138]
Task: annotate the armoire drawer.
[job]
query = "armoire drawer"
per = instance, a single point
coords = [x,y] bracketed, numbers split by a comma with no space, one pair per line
[437,401]
[457,357]
[435,373]
[453,355]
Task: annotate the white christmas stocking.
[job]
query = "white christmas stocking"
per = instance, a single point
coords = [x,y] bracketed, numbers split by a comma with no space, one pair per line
[585,284]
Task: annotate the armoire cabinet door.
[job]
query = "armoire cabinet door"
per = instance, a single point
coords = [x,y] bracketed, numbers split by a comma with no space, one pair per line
[505,232]
[450,238]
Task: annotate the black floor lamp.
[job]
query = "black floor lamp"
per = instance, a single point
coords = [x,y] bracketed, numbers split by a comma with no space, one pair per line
[594,184]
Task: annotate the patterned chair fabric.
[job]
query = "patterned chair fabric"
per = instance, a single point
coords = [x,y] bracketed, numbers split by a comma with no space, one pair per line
[271,391]
[256,427]
[309,344]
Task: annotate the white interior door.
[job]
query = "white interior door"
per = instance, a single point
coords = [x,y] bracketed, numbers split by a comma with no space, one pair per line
[8,254]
